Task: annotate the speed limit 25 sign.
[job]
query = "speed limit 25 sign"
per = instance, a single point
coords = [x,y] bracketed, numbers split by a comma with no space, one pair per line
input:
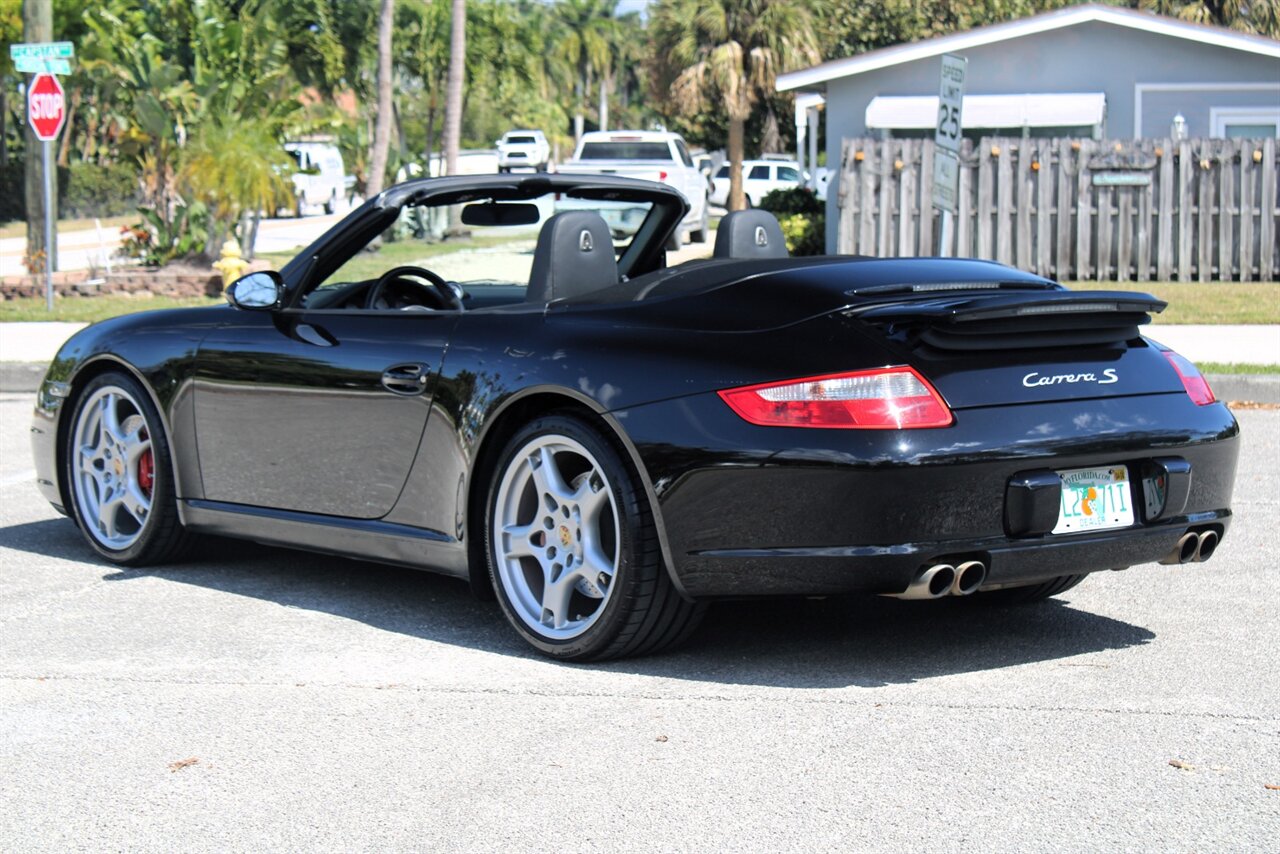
[950,101]
[946,161]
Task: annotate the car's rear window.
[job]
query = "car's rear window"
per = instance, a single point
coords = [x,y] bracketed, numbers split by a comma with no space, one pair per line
[520,140]
[625,151]
[724,171]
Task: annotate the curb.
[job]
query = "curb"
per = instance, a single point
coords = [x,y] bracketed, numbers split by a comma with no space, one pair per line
[24,377]
[21,376]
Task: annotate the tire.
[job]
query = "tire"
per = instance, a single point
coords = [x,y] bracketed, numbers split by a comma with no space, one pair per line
[116,447]
[699,235]
[572,550]
[1030,593]
[332,205]
[676,240]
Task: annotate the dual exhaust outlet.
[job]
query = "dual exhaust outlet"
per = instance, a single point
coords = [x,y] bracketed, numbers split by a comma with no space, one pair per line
[944,579]
[1193,547]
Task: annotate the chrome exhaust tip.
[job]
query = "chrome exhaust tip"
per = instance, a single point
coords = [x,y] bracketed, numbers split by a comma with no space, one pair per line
[1185,550]
[934,583]
[969,577]
[1206,546]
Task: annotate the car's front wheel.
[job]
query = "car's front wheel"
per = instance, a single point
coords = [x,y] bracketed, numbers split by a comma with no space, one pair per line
[572,549]
[119,468]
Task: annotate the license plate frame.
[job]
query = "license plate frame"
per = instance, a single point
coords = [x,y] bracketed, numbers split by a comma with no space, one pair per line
[1099,498]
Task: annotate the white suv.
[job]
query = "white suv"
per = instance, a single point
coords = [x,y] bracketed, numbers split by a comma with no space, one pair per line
[523,148]
[759,178]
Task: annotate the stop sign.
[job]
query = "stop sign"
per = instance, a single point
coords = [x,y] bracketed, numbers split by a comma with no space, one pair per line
[46,106]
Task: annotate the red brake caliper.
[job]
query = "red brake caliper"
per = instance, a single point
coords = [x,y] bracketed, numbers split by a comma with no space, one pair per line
[146,472]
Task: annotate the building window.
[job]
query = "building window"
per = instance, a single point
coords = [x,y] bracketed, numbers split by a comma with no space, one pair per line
[1244,122]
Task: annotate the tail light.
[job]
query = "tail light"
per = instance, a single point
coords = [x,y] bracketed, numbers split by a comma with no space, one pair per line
[885,399]
[1192,380]
[662,176]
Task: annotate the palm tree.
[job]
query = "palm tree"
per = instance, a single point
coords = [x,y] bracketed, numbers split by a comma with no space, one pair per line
[730,51]
[587,33]
[453,88]
[382,121]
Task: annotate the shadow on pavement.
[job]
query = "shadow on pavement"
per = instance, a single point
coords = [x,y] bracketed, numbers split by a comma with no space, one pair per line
[862,641]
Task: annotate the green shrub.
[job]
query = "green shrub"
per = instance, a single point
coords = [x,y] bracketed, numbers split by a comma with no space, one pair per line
[99,191]
[802,217]
[794,200]
[84,190]
[805,233]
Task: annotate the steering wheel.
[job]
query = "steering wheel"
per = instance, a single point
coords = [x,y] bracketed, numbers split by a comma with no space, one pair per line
[442,292]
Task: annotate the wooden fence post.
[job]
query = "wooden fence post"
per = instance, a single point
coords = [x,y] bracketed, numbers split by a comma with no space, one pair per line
[1065,268]
[1164,231]
[1267,220]
[1246,210]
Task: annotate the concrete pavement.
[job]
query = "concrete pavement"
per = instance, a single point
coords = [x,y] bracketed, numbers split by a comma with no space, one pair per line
[93,248]
[252,698]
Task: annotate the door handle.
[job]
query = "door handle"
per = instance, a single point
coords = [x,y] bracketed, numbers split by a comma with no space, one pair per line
[409,379]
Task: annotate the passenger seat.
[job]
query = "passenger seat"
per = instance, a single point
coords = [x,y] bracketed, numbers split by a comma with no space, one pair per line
[750,234]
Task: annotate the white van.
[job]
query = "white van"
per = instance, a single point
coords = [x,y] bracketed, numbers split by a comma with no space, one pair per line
[320,177]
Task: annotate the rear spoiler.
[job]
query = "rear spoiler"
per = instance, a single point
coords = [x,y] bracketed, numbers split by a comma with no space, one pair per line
[1005,321]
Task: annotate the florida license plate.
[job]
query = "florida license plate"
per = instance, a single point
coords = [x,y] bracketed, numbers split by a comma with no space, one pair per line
[1094,500]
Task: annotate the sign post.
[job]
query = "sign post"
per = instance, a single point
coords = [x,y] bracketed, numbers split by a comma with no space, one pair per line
[47,113]
[946,158]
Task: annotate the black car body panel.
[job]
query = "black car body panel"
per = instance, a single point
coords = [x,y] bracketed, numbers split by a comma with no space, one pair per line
[284,432]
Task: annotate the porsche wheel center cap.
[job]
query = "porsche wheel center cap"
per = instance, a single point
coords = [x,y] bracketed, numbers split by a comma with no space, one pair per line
[565,537]
[118,466]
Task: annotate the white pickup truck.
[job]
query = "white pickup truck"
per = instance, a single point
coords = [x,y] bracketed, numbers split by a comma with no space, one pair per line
[653,156]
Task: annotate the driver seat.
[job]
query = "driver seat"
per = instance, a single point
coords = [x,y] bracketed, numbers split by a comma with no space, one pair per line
[574,256]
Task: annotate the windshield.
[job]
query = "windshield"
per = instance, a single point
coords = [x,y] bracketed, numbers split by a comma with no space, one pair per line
[520,140]
[625,151]
[491,263]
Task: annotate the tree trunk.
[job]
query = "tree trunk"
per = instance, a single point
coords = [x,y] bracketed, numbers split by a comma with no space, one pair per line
[737,200]
[382,122]
[453,99]
[578,118]
[4,122]
[37,26]
[604,101]
[431,137]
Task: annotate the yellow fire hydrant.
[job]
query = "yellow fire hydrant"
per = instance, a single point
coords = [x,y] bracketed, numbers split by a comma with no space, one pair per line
[230,265]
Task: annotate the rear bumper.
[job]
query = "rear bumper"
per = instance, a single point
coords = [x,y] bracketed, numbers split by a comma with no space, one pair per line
[749,510]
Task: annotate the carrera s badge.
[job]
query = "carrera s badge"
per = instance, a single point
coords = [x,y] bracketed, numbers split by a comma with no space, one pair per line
[1034,379]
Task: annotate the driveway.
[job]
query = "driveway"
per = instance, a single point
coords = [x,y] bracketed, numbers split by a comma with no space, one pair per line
[255,698]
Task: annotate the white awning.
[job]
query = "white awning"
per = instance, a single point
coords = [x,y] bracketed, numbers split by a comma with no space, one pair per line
[1081,109]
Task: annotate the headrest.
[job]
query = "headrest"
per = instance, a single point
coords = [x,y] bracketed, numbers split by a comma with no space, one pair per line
[574,256]
[750,234]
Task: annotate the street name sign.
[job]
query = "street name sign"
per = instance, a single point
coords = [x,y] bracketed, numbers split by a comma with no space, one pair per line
[46,107]
[42,50]
[32,65]
[947,135]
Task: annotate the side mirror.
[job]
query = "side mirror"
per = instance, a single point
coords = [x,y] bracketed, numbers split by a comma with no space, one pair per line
[256,291]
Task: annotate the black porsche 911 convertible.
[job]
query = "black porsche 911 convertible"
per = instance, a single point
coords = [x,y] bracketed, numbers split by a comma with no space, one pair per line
[606,443]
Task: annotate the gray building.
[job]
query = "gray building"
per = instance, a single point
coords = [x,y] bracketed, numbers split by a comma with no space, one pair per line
[1089,70]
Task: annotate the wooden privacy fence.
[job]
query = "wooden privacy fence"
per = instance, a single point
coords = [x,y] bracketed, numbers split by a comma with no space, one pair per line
[1200,209]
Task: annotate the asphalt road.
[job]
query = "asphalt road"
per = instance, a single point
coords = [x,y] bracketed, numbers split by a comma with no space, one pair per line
[255,698]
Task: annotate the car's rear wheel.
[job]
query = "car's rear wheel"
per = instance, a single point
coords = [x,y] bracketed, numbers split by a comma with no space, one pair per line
[1031,592]
[572,549]
[120,473]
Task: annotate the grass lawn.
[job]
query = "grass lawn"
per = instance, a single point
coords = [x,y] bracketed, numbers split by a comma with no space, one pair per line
[1236,368]
[368,265]
[90,309]
[1195,302]
[109,224]
[365,265]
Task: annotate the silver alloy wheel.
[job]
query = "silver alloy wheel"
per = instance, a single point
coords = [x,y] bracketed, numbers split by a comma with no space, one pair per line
[113,470]
[555,538]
